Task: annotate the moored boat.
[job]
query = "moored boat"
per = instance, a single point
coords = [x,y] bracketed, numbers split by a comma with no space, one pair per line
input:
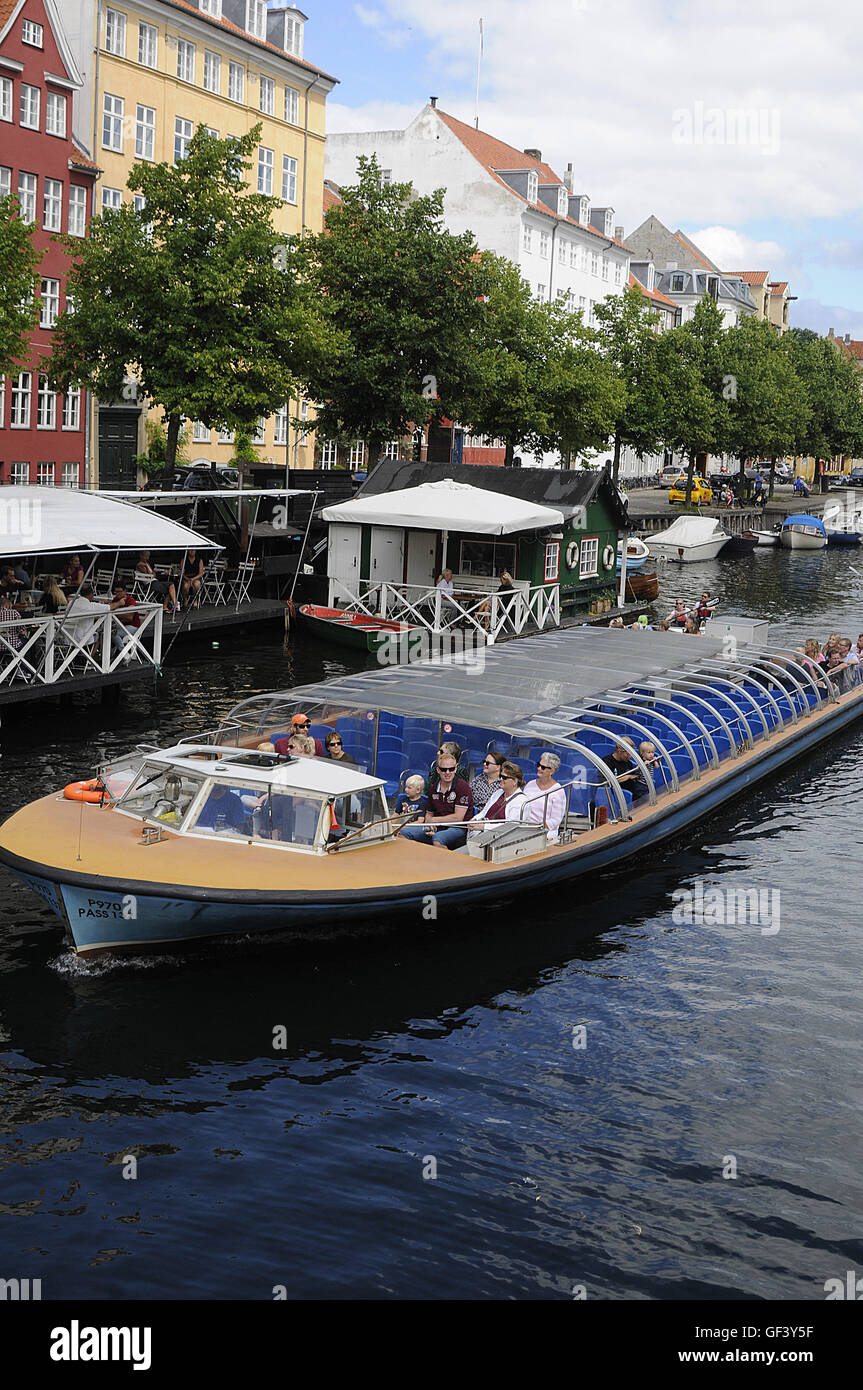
[636,554]
[350,629]
[222,836]
[642,587]
[765,538]
[803,532]
[743,544]
[690,538]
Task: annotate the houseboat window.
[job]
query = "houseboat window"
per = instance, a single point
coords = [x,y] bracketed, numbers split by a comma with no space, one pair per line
[588,557]
[486,558]
[163,794]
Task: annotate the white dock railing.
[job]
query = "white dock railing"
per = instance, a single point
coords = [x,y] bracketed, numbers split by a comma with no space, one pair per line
[44,650]
[489,612]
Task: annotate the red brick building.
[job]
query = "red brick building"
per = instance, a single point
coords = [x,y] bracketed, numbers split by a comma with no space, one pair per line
[42,434]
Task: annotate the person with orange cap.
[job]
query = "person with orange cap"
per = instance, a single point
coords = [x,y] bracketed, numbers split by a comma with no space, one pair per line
[300,724]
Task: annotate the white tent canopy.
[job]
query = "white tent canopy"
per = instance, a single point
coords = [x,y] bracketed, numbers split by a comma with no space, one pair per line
[47,520]
[446,506]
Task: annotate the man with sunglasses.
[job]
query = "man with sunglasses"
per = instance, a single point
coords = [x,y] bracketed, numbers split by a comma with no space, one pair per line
[449,804]
[300,724]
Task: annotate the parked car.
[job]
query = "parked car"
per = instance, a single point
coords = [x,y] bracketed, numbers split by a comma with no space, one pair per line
[667,476]
[701,489]
[197,479]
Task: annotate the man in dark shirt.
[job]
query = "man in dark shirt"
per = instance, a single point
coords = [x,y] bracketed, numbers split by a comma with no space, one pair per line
[222,811]
[450,801]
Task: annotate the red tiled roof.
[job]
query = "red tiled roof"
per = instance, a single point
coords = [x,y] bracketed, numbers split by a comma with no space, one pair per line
[779,287]
[235,29]
[690,246]
[853,349]
[331,195]
[494,154]
[79,158]
[6,10]
[661,298]
[752,277]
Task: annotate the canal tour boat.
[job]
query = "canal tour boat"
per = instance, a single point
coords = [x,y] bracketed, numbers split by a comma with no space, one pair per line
[220,836]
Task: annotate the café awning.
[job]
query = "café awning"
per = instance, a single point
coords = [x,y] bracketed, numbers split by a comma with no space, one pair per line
[48,521]
[446,506]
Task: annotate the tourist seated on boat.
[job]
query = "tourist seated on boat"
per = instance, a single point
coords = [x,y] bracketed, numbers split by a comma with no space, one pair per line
[335,749]
[546,799]
[663,626]
[449,750]
[622,763]
[840,672]
[508,804]
[616,622]
[299,746]
[639,786]
[859,647]
[300,724]
[850,660]
[678,615]
[223,810]
[691,628]
[704,607]
[487,782]
[413,798]
[449,803]
[812,654]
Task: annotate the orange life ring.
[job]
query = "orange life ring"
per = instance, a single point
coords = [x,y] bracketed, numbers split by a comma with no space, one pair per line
[94,791]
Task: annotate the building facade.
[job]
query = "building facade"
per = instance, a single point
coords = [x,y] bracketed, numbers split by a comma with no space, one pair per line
[43,435]
[685,274]
[153,71]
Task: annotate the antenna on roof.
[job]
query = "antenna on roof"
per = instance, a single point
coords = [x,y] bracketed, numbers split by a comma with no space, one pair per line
[478,63]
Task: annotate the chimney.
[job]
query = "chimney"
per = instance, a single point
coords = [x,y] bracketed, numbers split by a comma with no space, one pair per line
[618,234]
[847,337]
[830,333]
[535,154]
[433,102]
[567,179]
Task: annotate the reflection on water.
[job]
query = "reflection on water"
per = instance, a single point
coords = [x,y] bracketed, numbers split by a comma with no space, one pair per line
[579,1065]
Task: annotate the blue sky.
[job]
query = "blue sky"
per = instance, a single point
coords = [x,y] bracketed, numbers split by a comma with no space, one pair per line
[739,123]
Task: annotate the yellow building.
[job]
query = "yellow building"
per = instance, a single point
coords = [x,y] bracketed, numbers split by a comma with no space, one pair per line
[154,71]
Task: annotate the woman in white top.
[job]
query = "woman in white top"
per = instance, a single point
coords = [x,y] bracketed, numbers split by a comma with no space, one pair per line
[508,804]
[546,798]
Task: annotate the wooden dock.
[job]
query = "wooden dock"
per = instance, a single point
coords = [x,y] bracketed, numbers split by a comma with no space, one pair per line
[219,615]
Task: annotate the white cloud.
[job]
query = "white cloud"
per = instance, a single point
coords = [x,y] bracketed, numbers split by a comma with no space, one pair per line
[376,19]
[731,250]
[811,313]
[374,115]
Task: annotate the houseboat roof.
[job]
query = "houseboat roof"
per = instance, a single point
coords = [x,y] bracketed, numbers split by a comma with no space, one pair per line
[566,490]
[516,681]
[445,505]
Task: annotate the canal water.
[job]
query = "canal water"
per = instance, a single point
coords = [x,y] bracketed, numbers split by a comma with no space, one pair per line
[579,1093]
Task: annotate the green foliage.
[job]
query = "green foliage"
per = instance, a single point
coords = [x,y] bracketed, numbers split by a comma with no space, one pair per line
[399,295]
[832,388]
[691,364]
[628,339]
[244,450]
[194,292]
[153,461]
[19,261]
[767,408]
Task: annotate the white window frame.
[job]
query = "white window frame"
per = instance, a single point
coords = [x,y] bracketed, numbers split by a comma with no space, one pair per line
[22,390]
[618,273]
[266,163]
[5,181]
[358,453]
[72,409]
[183,132]
[44,478]
[145,132]
[292,106]
[605,267]
[289,179]
[329,453]
[77,209]
[27,195]
[113,111]
[148,45]
[185,61]
[562,201]
[212,71]
[544,244]
[526,237]
[236,82]
[280,425]
[31,33]
[226,436]
[46,406]
[112,201]
[532,186]
[52,205]
[588,557]
[391,449]
[294,36]
[574,256]
[49,306]
[200,433]
[55,114]
[256,18]
[7,94]
[258,433]
[267,96]
[551,563]
[29,106]
[211,7]
[541,291]
[594,263]
[70,475]
[561,251]
[20,475]
[115,33]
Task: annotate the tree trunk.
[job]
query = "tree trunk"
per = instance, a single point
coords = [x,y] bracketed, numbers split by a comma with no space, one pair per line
[741,481]
[615,463]
[509,455]
[171,444]
[772,481]
[690,474]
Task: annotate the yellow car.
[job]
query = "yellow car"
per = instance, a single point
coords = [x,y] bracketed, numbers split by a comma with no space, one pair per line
[701,490]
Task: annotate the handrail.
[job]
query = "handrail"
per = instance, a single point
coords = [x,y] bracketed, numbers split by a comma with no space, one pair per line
[695,668]
[666,692]
[591,757]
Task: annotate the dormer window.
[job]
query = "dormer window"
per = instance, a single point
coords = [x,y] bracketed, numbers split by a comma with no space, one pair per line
[211,7]
[713,286]
[532,186]
[294,25]
[562,201]
[677,283]
[609,221]
[584,211]
[256,18]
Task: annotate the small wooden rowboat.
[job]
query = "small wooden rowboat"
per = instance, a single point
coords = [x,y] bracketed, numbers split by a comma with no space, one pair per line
[350,629]
[641,587]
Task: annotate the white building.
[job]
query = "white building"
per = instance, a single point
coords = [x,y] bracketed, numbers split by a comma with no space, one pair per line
[514,203]
[685,274]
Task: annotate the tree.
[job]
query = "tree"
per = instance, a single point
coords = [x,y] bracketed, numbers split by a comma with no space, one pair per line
[193,293]
[690,361]
[628,339]
[834,424]
[400,295]
[19,260]
[766,405]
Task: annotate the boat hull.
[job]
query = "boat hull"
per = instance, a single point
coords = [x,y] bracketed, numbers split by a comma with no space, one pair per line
[688,554]
[767,538]
[642,587]
[798,540]
[843,538]
[350,630]
[109,915]
[740,545]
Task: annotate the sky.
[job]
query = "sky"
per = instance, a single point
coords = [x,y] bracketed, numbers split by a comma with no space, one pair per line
[739,123]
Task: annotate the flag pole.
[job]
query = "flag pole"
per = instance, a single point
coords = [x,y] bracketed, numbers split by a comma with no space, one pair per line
[478,63]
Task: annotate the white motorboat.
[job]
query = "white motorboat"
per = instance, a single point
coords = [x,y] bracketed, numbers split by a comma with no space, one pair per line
[636,554]
[690,538]
[803,532]
[770,538]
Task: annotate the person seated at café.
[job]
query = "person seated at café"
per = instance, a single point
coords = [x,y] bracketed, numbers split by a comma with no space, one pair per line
[335,749]
[13,637]
[509,803]
[163,585]
[73,573]
[545,796]
[193,574]
[413,799]
[486,784]
[10,584]
[126,605]
[300,724]
[53,598]
[449,805]
[639,787]
[143,565]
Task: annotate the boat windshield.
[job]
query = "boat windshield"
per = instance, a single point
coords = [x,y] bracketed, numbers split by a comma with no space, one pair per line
[164,794]
[252,813]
